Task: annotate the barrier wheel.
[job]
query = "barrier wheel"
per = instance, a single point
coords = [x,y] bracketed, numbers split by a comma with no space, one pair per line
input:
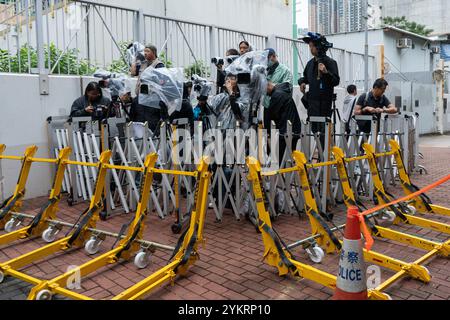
[142,259]
[2,277]
[49,235]
[44,295]
[176,228]
[316,254]
[11,225]
[387,218]
[92,246]
[411,208]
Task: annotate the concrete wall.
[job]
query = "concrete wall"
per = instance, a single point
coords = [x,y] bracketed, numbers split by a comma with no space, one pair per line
[354,41]
[22,123]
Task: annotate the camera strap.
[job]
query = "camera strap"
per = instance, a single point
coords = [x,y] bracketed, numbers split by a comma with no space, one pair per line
[351,111]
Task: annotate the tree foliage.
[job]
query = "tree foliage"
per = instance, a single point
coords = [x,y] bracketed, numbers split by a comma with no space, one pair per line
[404,24]
[200,68]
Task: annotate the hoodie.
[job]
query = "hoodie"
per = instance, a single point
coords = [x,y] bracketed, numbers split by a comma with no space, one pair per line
[349,107]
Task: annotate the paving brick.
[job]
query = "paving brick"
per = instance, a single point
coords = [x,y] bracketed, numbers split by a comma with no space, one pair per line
[253,285]
[216,278]
[210,295]
[195,288]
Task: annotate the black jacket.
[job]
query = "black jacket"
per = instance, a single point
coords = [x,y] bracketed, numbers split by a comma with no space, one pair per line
[78,106]
[282,108]
[321,89]
[186,112]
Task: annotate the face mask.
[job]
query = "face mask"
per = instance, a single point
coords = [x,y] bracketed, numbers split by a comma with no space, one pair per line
[270,63]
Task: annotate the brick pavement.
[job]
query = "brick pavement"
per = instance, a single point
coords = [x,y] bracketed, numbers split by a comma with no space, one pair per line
[230,265]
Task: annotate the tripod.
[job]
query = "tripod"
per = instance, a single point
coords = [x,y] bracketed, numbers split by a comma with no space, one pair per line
[335,115]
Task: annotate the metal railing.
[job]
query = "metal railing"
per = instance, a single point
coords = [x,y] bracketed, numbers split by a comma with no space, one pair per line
[79,36]
[351,64]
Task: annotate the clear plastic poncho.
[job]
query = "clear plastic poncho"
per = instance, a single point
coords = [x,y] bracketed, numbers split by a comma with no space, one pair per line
[162,85]
[251,65]
[135,53]
[116,84]
[250,70]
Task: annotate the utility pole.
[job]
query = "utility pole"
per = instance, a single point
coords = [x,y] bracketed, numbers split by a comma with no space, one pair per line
[366,46]
[439,78]
[295,37]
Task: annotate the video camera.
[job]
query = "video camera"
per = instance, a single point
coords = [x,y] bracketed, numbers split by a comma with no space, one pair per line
[200,85]
[218,61]
[319,41]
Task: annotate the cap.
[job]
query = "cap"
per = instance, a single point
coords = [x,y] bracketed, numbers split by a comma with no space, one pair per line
[312,36]
[271,51]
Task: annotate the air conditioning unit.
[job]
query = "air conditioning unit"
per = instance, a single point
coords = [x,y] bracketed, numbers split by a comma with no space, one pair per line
[404,43]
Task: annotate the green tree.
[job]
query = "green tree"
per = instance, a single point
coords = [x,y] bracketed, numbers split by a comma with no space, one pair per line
[404,24]
[67,62]
[200,68]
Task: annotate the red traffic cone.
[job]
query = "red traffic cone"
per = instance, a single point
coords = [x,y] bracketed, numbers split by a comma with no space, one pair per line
[351,280]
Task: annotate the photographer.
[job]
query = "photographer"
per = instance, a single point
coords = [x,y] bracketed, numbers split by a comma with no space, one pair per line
[374,103]
[277,73]
[322,75]
[244,47]
[150,60]
[92,104]
[228,106]
[282,109]
[219,62]
[203,111]
[186,111]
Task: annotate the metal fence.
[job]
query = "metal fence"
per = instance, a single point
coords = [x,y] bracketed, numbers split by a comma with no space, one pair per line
[351,64]
[76,37]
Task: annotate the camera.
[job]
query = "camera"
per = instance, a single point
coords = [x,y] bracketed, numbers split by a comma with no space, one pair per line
[217,61]
[103,84]
[230,59]
[98,113]
[201,85]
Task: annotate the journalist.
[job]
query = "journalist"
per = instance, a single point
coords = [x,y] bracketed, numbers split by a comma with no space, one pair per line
[322,75]
[91,104]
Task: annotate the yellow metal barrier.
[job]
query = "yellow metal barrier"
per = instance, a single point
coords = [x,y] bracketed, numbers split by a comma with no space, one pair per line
[185,256]
[75,239]
[275,253]
[14,202]
[48,211]
[383,260]
[422,203]
[186,251]
[402,211]
[45,289]
[414,269]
